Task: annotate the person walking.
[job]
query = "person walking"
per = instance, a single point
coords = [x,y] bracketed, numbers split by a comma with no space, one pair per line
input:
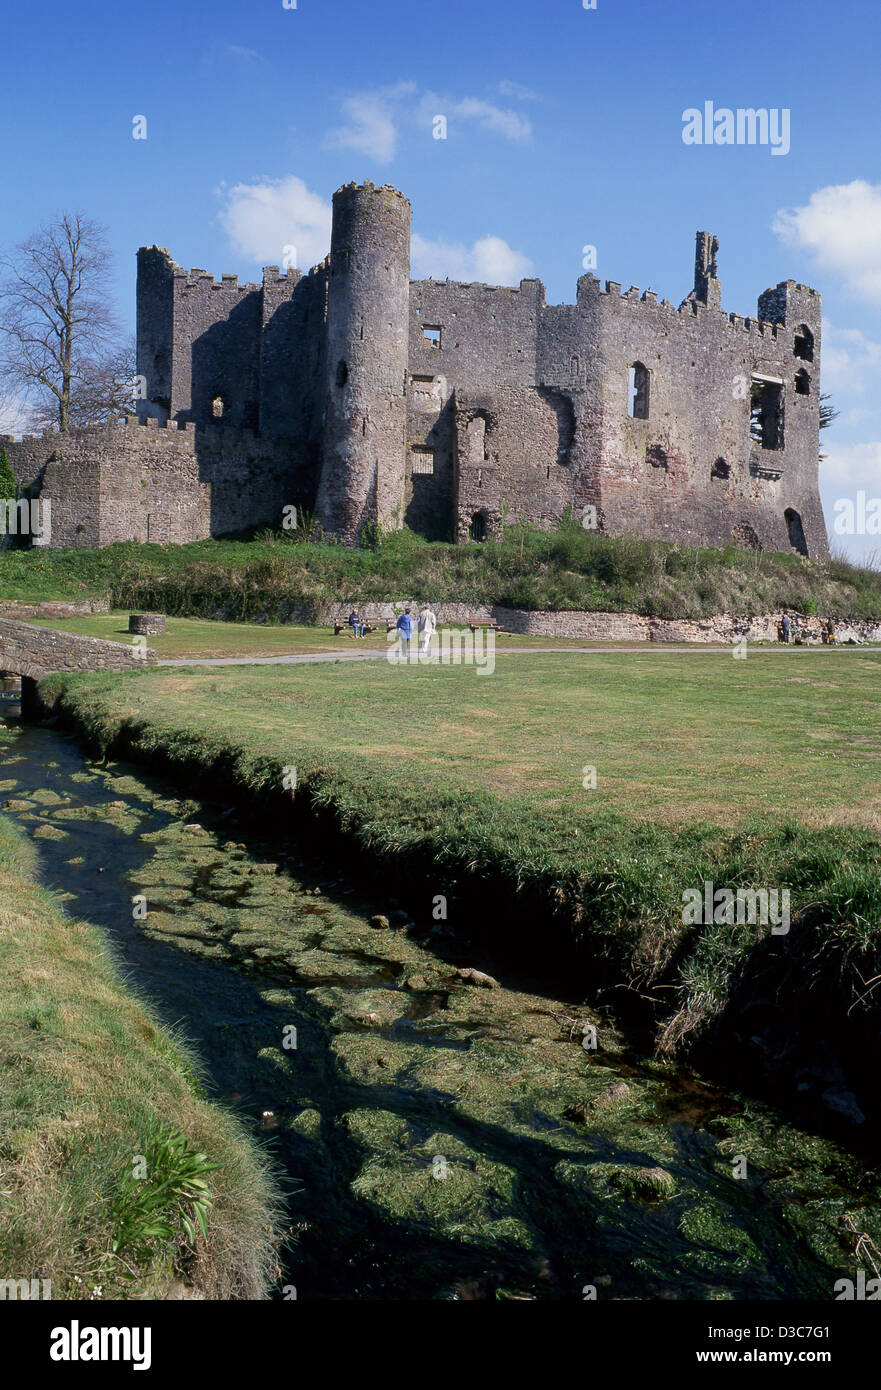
[405,632]
[427,624]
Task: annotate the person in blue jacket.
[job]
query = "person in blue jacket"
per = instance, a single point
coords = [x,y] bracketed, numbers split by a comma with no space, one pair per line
[405,632]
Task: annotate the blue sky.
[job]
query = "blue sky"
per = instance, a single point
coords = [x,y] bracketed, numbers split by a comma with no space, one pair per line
[564,129]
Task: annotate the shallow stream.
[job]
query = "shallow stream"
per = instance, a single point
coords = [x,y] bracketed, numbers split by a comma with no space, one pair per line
[436,1138]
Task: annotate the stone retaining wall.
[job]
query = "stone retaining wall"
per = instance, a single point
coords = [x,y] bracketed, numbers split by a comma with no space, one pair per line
[617,627]
[35,652]
[13,608]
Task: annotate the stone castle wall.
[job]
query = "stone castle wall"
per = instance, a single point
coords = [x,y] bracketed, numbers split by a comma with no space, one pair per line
[365,396]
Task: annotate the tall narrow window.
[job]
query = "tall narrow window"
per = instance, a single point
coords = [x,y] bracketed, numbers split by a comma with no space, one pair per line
[638,392]
[766,412]
[803,346]
[802,383]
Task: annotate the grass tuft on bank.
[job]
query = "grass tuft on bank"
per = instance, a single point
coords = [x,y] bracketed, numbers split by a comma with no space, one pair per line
[90,1080]
[275,574]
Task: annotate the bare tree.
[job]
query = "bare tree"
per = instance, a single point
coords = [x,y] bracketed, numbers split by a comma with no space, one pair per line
[106,387]
[56,318]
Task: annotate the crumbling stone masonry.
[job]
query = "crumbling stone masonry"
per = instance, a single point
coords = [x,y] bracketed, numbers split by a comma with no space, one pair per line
[367,397]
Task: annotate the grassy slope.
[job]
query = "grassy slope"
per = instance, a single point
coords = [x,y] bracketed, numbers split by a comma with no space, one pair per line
[481,777]
[88,1074]
[570,569]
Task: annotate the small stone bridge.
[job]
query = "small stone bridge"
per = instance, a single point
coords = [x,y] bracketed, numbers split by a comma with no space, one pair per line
[34,652]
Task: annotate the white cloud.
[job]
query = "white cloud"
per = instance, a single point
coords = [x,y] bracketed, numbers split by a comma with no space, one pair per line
[841,227]
[489,260]
[372,119]
[518,91]
[849,466]
[376,117]
[499,120]
[851,361]
[263,218]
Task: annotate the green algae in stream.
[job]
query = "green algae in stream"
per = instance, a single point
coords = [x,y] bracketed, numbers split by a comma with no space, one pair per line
[49,832]
[437,1182]
[409,1066]
[45,796]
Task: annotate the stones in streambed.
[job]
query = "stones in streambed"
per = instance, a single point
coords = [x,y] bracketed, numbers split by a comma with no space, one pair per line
[17,803]
[470,976]
[379,921]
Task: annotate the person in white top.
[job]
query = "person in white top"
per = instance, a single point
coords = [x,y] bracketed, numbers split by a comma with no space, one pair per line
[427,624]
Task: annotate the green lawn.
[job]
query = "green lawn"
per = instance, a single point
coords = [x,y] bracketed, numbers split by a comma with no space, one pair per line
[676,737]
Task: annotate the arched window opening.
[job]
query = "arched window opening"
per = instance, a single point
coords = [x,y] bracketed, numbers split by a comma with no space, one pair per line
[477,529]
[796,531]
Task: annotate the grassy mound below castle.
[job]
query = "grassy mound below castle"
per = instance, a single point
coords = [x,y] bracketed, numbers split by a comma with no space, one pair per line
[273,575]
[90,1080]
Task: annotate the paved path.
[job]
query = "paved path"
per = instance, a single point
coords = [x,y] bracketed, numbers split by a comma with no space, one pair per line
[652,649]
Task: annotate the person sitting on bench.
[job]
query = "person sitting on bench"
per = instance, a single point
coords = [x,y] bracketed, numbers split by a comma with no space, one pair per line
[356,622]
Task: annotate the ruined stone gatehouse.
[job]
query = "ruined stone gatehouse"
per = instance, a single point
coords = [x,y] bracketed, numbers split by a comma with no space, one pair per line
[364,396]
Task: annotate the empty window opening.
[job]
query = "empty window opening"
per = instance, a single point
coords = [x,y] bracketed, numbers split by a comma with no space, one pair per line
[638,392]
[477,529]
[342,373]
[803,346]
[766,413]
[656,456]
[802,383]
[217,407]
[720,469]
[796,531]
[421,460]
[432,333]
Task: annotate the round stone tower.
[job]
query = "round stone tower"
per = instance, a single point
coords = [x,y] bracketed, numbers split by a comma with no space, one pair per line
[366,355]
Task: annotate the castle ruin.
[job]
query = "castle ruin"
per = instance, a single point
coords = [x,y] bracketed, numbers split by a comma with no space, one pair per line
[365,398]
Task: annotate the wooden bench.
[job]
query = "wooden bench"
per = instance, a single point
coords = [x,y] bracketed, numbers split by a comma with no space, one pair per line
[346,626]
[476,623]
